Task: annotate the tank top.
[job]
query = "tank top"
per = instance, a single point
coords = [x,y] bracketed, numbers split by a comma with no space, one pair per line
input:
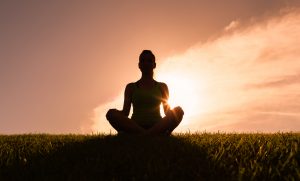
[146,105]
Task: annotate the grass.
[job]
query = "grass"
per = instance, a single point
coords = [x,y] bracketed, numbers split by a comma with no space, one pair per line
[203,156]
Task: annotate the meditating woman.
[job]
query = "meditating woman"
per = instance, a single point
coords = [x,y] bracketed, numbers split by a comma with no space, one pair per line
[146,95]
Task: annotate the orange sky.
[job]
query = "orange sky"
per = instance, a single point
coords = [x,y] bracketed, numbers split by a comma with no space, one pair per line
[62,62]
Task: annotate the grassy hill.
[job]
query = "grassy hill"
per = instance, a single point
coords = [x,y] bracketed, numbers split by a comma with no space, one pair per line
[203,156]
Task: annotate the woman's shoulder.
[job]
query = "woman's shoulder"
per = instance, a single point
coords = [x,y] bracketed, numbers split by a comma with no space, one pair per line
[162,85]
[131,86]
[131,83]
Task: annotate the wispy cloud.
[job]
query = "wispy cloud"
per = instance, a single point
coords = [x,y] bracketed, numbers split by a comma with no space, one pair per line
[282,81]
[247,79]
[232,25]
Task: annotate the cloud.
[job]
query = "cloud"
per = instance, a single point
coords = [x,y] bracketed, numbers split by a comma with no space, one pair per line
[245,80]
[232,25]
[282,81]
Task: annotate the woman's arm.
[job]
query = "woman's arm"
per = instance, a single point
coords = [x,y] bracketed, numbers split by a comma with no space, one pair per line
[127,99]
[165,97]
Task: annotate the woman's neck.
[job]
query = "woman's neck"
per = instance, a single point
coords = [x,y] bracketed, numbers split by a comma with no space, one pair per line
[147,79]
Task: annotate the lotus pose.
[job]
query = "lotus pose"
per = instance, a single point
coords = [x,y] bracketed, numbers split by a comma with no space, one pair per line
[146,95]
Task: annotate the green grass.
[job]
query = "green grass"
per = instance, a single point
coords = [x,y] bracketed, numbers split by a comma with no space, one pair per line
[203,156]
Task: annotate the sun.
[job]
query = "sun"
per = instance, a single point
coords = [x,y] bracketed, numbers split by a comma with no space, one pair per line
[183,91]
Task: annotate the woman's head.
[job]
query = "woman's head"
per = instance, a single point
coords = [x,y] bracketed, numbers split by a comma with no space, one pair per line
[147,61]
[145,55]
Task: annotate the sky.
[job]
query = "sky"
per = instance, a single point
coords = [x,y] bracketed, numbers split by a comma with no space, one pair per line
[232,66]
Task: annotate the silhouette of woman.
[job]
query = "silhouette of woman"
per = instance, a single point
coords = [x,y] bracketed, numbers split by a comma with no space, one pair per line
[146,95]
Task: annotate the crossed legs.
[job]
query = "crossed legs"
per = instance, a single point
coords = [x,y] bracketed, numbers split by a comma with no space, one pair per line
[165,126]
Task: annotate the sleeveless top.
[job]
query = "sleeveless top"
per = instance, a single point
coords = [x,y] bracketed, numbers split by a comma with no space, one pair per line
[146,105]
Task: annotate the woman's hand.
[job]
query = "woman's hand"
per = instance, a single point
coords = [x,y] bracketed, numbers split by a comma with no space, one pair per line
[176,113]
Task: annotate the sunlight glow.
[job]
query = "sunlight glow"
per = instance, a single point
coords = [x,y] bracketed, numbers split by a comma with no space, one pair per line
[182,92]
[243,81]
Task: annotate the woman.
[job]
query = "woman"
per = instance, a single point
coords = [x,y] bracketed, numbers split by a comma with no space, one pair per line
[146,95]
